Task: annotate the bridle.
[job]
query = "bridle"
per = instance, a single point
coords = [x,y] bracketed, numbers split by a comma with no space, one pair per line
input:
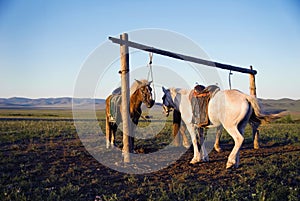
[168,104]
[145,94]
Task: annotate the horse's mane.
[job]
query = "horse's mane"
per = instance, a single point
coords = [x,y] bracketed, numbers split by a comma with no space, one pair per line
[211,88]
[136,85]
[179,91]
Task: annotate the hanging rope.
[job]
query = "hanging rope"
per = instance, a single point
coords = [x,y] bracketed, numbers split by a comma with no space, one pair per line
[150,74]
[229,79]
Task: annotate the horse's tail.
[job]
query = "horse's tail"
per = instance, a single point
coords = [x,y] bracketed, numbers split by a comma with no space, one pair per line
[263,118]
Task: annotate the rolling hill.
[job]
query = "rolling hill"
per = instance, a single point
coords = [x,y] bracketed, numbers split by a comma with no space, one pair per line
[281,104]
[65,102]
[268,105]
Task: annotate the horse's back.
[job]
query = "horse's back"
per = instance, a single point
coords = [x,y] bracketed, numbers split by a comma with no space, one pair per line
[216,109]
[227,106]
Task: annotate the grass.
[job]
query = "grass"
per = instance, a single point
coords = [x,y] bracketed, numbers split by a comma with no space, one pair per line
[43,159]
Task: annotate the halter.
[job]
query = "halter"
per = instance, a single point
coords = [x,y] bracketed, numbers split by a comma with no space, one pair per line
[143,93]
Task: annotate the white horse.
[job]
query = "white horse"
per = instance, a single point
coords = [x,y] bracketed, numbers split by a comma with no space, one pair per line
[231,109]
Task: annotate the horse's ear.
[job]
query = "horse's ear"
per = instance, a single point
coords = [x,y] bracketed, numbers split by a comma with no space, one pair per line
[139,82]
[164,90]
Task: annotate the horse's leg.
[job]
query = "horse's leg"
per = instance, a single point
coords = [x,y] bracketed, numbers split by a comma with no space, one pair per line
[185,141]
[131,142]
[237,134]
[202,144]
[179,126]
[133,126]
[176,126]
[175,135]
[233,158]
[108,132]
[191,130]
[113,129]
[255,133]
[218,136]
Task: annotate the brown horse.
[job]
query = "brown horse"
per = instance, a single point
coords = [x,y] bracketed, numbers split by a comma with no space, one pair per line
[140,92]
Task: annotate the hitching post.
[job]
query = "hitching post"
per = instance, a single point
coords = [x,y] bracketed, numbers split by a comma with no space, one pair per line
[253,93]
[125,97]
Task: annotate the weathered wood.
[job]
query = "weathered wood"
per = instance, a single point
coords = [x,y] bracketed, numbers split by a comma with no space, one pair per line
[125,97]
[253,93]
[181,56]
[252,84]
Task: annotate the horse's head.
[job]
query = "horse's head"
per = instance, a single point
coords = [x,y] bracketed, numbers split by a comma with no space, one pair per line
[146,93]
[168,103]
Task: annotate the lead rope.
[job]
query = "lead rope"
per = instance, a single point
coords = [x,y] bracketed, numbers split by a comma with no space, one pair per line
[229,79]
[150,74]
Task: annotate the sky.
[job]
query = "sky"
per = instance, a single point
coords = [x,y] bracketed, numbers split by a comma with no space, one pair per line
[45,44]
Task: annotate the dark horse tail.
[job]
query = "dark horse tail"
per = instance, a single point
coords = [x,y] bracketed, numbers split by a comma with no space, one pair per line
[263,118]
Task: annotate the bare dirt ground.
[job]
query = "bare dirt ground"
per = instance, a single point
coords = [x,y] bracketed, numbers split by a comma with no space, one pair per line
[63,169]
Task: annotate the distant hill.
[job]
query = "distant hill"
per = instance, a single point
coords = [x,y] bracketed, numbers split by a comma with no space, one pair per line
[268,105]
[65,102]
[284,104]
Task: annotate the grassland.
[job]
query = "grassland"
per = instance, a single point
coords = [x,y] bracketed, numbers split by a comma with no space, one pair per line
[42,158]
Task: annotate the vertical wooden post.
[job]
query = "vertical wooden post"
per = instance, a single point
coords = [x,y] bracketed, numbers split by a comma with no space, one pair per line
[255,131]
[125,97]
[252,84]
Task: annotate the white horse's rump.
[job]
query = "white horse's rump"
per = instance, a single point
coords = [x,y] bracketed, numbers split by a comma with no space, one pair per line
[231,109]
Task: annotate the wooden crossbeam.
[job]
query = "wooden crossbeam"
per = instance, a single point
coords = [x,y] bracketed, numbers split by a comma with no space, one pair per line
[181,56]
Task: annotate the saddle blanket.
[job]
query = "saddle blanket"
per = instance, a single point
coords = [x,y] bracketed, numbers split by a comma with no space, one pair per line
[114,110]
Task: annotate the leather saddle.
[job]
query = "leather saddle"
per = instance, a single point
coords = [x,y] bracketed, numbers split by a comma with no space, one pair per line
[200,97]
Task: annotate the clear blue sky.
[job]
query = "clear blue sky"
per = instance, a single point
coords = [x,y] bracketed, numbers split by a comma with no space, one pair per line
[43,43]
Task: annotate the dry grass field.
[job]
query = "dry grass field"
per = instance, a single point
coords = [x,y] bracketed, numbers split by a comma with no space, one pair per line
[42,158]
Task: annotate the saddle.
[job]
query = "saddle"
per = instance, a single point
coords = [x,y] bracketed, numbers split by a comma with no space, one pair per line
[114,111]
[199,101]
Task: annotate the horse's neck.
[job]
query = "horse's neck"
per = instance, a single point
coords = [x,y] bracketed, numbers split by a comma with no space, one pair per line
[181,100]
[135,102]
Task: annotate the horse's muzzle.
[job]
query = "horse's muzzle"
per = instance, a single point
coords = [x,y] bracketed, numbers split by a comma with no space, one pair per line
[166,110]
[149,105]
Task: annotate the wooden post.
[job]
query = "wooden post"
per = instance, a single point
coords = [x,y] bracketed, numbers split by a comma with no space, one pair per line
[125,97]
[255,130]
[252,84]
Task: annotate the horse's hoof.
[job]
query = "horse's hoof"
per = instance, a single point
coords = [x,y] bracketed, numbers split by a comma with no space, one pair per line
[187,146]
[229,165]
[256,147]
[175,145]
[205,159]
[194,161]
[219,150]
